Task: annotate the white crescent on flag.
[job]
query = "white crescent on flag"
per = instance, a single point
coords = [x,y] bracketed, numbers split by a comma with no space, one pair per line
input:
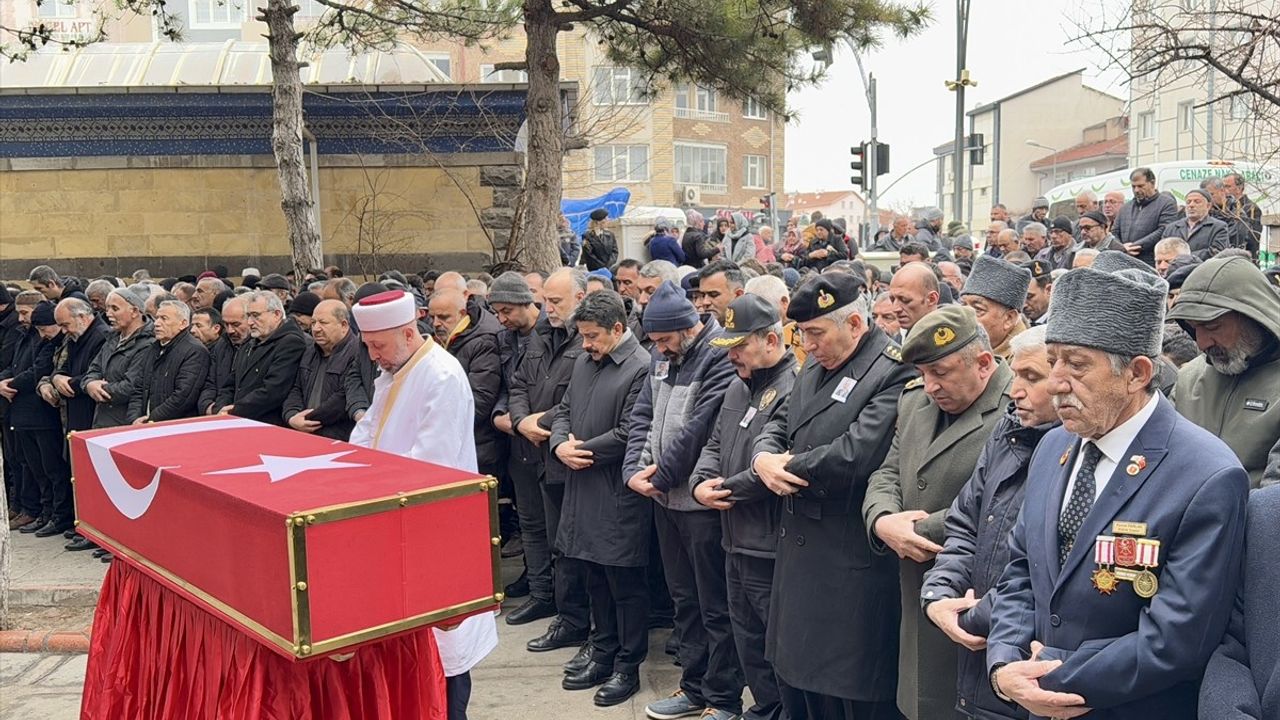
[130,501]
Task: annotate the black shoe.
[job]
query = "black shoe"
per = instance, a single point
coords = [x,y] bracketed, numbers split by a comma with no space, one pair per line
[617,689]
[34,525]
[514,547]
[557,636]
[100,552]
[108,558]
[532,609]
[578,661]
[590,676]
[673,646]
[80,543]
[52,528]
[70,534]
[519,588]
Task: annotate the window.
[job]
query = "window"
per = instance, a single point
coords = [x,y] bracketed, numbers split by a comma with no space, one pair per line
[487,75]
[217,14]
[754,109]
[442,61]
[697,102]
[1146,125]
[703,166]
[58,9]
[1186,116]
[617,86]
[754,171]
[622,163]
[1239,107]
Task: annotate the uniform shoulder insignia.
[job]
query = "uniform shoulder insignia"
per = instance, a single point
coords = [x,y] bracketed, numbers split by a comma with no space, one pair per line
[914,383]
[893,352]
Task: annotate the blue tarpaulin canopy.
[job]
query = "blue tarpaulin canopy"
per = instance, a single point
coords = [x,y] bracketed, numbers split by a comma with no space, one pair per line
[579,211]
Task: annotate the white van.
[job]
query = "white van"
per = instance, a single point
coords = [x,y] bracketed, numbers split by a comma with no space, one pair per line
[637,224]
[1262,184]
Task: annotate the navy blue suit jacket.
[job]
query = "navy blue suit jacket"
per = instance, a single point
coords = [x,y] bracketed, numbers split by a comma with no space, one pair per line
[1128,657]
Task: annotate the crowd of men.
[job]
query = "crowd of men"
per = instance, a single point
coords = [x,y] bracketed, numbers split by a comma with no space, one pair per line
[1004,484]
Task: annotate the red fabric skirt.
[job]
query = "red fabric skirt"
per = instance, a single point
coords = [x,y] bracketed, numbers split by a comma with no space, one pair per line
[154,655]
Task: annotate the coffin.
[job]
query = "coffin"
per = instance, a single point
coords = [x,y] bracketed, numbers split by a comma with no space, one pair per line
[309,545]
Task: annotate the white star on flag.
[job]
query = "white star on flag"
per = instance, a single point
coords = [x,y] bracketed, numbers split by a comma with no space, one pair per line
[279,467]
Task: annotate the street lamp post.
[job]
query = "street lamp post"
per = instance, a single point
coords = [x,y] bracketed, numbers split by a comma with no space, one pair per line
[1054,180]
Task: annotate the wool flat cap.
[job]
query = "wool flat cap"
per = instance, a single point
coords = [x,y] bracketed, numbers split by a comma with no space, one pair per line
[384,311]
[939,334]
[822,294]
[999,281]
[669,310]
[599,214]
[510,288]
[1119,312]
[274,281]
[1114,260]
[748,314]
[304,303]
[42,314]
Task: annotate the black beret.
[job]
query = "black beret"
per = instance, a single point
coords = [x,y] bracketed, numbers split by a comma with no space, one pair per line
[304,304]
[42,314]
[822,294]
[599,214]
[1097,217]
[1062,223]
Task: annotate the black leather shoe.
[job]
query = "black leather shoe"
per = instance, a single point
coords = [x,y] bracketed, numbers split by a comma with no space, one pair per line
[100,552]
[617,689]
[34,525]
[590,676]
[519,588]
[80,543]
[557,636]
[108,558]
[52,528]
[70,534]
[578,661]
[532,609]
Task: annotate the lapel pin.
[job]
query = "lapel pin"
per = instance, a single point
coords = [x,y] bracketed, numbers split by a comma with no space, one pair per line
[1136,464]
[1063,460]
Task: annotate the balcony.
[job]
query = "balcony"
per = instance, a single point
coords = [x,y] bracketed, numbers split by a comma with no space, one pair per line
[687,113]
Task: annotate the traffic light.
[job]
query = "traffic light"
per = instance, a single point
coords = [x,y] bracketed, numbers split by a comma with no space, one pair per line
[882,158]
[858,165]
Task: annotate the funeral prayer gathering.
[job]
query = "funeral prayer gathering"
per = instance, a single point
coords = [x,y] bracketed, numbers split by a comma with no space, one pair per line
[815,479]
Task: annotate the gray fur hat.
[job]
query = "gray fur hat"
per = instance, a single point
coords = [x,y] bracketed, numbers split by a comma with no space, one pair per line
[998,280]
[1119,312]
[510,288]
[1109,261]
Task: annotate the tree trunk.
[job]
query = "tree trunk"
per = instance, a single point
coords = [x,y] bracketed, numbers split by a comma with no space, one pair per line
[286,136]
[538,232]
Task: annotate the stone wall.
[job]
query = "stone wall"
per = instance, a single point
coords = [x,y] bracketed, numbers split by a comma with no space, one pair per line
[180,215]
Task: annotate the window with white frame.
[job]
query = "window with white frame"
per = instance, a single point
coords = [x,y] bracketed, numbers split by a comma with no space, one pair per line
[1146,125]
[755,168]
[702,165]
[58,9]
[442,61]
[754,109]
[217,14]
[1186,116]
[1239,107]
[489,75]
[622,163]
[696,97]
[617,86]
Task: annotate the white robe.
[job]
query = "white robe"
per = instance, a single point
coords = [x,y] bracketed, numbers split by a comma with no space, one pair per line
[426,412]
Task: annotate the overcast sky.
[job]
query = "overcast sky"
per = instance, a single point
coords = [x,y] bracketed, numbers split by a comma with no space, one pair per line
[1013,44]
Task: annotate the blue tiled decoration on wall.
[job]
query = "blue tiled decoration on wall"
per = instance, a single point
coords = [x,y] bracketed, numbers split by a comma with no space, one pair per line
[239,123]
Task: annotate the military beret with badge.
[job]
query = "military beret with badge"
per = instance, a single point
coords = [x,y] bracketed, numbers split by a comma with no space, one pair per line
[822,294]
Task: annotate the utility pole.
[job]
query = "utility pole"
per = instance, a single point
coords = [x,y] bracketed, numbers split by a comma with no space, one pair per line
[871,214]
[958,85]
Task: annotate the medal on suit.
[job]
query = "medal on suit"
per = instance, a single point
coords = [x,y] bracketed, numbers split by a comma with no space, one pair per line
[1126,556]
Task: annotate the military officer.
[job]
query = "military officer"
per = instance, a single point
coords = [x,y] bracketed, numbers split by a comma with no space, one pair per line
[944,419]
[723,480]
[1126,559]
[833,615]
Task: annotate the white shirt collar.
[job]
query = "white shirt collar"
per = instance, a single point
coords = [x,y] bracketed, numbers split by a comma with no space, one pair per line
[1115,443]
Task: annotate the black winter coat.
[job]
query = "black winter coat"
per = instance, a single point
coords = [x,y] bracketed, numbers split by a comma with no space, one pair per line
[264,373]
[173,377]
[121,365]
[976,552]
[358,381]
[331,413]
[222,355]
[476,349]
[751,526]
[32,360]
[599,249]
[75,358]
[602,520]
[538,386]
[698,247]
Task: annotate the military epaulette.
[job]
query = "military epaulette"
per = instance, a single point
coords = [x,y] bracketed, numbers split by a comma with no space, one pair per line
[914,383]
[893,352]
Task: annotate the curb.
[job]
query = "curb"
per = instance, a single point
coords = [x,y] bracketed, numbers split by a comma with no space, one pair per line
[46,641]
[85,596]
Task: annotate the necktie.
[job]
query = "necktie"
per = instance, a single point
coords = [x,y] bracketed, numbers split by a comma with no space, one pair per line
[1078,506]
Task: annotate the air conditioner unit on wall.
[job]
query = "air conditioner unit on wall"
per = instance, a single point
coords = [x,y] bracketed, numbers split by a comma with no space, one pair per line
[692,195]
